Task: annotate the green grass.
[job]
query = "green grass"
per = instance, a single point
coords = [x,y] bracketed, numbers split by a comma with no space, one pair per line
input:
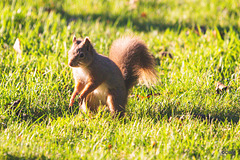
[188,120]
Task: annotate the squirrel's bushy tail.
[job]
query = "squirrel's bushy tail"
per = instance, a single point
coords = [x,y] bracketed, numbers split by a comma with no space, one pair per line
[134,60]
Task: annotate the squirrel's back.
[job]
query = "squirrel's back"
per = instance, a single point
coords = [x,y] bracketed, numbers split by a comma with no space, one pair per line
[134,60]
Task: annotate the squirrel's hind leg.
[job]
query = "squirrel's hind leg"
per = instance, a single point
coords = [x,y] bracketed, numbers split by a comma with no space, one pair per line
[116,104]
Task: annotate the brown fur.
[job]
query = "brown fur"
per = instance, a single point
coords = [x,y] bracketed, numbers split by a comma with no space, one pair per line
[99,80]
[134,60]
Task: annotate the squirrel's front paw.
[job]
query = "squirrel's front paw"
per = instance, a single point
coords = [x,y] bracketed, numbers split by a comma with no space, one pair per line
[71,103]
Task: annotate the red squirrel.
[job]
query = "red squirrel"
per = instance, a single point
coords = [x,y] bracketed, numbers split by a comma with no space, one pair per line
[106,81]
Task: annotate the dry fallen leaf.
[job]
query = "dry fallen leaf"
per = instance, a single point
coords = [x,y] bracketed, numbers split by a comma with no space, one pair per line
[151,94]
[142,97]
[154,144]
[221,87]
[143,14]
[19,137]
[109,146]
[17,46]
[15,103]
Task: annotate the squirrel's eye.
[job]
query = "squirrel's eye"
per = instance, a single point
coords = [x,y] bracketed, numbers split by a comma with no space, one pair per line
[81,55]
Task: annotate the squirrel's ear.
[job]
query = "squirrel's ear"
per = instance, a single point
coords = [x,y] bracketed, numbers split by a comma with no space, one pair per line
[86,40]
[74,39]
[87,43]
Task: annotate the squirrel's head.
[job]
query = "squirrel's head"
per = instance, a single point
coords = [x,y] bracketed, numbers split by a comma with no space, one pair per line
[81,53]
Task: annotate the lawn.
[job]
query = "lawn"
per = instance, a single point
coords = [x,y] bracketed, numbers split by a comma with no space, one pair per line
[181,117]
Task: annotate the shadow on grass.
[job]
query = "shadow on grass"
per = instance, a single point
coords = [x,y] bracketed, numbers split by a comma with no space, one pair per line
[157,111]
[14,157]
[20,111]
[138,23]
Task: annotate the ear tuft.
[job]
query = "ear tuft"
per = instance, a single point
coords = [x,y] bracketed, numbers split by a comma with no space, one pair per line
[74,39]
[87,40]
[87,43]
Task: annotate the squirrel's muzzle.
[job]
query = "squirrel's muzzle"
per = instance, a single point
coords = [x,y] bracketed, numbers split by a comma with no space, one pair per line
[71,64]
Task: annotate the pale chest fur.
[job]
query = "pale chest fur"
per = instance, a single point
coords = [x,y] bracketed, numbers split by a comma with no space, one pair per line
[82,75]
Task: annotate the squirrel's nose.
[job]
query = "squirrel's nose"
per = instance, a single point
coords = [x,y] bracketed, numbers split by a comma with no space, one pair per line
[70,63]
